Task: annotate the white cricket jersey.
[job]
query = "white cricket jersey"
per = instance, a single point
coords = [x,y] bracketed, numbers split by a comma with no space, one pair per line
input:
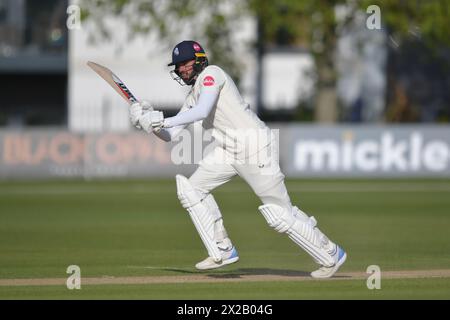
[235,126]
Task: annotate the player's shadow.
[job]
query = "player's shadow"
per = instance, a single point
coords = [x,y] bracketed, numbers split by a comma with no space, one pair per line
[239,273]
[259,272]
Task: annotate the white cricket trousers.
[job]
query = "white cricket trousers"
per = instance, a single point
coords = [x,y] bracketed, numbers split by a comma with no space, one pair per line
[261,171]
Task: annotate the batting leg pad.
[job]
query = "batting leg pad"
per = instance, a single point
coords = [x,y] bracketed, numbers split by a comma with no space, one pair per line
[302,230]
[200,213]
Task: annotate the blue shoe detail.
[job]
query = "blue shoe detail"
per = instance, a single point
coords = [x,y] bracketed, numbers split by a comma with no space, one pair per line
[234,254]
[341,253]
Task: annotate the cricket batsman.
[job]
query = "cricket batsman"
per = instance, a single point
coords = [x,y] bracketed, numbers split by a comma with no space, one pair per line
[245,147]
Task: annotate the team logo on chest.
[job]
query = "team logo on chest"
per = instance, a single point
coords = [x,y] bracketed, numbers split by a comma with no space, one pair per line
[208,81]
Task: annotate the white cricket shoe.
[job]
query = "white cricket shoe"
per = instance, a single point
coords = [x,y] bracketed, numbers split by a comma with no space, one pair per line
[228,257]
[327,272]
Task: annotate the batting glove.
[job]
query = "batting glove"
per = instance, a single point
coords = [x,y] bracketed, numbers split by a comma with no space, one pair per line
[146,106]
[152,121]
[157,121]
[135,112]
[137,109]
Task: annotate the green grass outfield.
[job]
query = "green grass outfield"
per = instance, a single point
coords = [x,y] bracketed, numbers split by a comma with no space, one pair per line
[138,229]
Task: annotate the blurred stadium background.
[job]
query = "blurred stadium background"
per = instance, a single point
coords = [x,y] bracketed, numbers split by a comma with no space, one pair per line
[352,99]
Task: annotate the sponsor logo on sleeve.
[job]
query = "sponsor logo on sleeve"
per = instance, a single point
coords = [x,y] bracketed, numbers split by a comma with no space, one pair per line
[208,81]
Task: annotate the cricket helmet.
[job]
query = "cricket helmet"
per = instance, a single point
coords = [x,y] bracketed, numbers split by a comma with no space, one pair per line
[185,51]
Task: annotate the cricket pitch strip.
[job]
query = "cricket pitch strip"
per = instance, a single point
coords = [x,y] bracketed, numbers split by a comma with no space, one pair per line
[224,278]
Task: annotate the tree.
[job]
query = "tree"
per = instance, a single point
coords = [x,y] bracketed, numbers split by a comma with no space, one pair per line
[314,24]
[419,59]
[308,23]
[311,24]
[208,20]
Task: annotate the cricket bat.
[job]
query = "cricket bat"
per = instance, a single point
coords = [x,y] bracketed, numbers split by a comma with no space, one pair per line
[113,81]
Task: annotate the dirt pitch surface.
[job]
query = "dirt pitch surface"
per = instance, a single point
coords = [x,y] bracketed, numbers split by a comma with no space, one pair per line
[217,278]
